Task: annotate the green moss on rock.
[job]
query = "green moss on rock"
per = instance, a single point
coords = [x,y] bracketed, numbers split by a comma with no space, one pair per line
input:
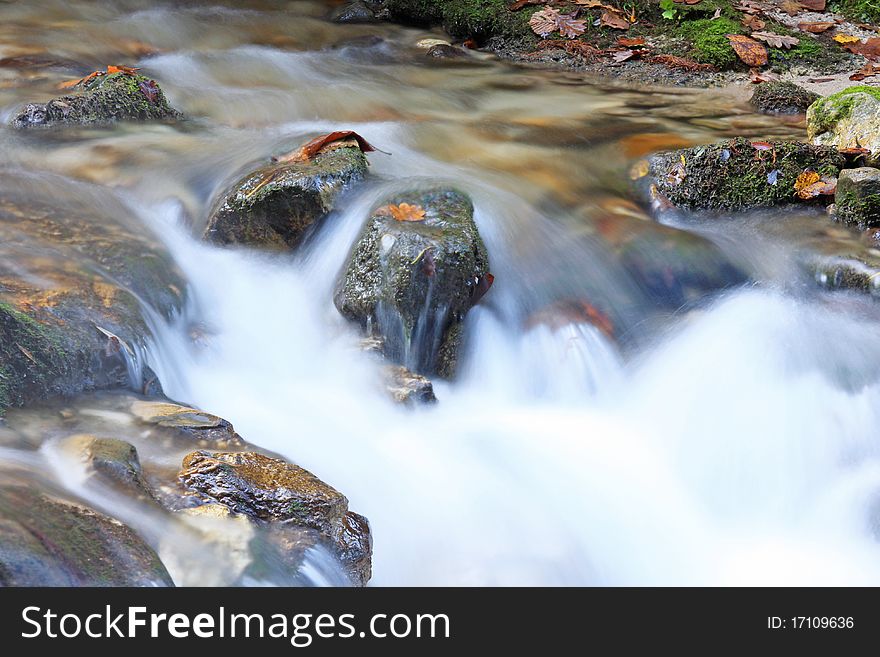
[104,99]
[734,175]
[782,98]
[481,19]
[273,206]
[826,112]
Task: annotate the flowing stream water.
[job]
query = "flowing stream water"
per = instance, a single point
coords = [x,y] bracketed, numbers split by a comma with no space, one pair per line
[726,439]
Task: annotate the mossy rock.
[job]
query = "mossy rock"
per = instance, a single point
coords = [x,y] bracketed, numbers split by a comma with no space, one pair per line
[48,541]
[75,280]
[479,19]
[782,98]
[110,462]
[847,119]
[732,175]
[274,206]
[413,282]
[857,199]
[104,99]
[709,40]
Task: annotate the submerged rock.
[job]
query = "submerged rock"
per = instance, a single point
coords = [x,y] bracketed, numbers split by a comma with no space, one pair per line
[847,119]
[47,541]
[188,422]
[75,275]
[273,206]
[413,282]
[103,99]
[274,490]
[857,199]
[406,387]
[110,461]
[732,175]
[357,11]
[782,98]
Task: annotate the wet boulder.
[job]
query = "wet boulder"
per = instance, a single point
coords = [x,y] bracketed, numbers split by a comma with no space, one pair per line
[48,541]
[275,491]
[782,98]
[109,461]
[102,99]
[733,175]
[187,423]
[413,281]
[78,276]
[847,119]
[857,199]
[273,206]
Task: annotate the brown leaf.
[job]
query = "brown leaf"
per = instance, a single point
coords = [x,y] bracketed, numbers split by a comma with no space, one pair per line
[869,48]
[867,71]
[752,22]
[748,50]
[569,26]
[128,70]
[310,149]
[810,185]
[791,7]
[756,76]
[622,55]
[752,7]
[544,22]
[816,27]
[776,40]
[854,153]
[614,21]
[687,2]
[673,61]
[481,286]
[403,212]
[762,145]
[631,42]
[813,5]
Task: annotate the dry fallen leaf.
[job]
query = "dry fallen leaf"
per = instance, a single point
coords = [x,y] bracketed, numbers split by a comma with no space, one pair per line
[569,26]
[810,185]
[845,38]
[776,40]
[867,71]
[622,55]
[543,22]
[816,27]
[313,147]
[756,76]
[614,21]
[519,4]
[748,50]
[869,48]
[634,42]
[752,22]
[813,5]
[791,7]
[673,61]
[404,212]
[127,70]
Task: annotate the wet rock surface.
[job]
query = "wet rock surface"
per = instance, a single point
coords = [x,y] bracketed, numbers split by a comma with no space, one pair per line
[857,199]
[408,388]
[48,541]
[110,461]
[191,423]
[274,490]
[104,99]
[413,282]
[273,206]
[782,98]
[735,175]
[73,285]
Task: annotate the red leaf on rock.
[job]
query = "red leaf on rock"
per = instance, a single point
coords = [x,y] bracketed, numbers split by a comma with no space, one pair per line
[310,149]
[481,286]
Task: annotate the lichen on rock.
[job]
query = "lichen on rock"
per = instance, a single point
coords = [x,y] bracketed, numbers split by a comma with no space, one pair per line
[847,119]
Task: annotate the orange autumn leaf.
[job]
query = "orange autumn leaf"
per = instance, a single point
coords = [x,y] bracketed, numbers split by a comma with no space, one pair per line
[613,20]
[748,50]
[403,212]
[810,185]
[845,38]
[816,27]
[310,149]
[111,68]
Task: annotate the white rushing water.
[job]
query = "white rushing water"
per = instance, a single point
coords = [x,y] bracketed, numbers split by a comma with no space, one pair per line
[738,449]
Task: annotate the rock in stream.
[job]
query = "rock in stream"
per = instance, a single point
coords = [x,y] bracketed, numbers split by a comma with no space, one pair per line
[413,282]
